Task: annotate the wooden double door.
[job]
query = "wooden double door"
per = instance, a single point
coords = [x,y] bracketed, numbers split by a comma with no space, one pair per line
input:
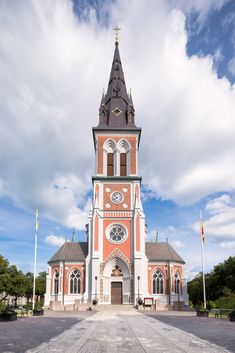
[116,292]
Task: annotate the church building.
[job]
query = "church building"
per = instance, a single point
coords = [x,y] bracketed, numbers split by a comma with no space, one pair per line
[116,265]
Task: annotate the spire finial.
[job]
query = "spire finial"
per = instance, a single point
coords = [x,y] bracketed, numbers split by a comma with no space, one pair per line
[157,236]
[116,30]
[73,236]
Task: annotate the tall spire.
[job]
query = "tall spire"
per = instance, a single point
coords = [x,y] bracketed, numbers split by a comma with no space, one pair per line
[116,109]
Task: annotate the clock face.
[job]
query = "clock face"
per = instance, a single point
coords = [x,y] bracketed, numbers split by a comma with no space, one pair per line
[116,197]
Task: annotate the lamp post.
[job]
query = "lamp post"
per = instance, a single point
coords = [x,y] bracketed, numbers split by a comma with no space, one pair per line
[178,289]
[96,287]
[138,278]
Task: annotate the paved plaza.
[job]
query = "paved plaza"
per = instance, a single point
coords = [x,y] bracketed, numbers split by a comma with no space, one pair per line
[117,331]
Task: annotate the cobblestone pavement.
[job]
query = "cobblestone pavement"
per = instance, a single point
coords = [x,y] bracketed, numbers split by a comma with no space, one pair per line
[218,331]
[114,332]
[25,333]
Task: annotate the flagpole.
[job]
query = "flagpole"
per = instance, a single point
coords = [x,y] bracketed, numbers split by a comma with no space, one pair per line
[35,258]
[202,251]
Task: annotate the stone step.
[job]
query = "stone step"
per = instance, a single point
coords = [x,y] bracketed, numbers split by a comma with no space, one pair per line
[111,307]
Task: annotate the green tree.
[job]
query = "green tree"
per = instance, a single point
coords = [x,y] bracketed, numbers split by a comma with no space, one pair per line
[5,279]
[12,280]
[220,283]
[29,286]
[195,290]
[41,284]
[18,283]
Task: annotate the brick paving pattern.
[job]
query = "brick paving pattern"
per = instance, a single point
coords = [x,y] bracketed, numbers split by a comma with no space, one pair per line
[107,332]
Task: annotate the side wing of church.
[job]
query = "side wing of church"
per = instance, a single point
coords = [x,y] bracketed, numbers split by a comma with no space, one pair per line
[116,265]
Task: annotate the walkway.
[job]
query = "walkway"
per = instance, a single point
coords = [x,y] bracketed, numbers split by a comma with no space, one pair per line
[129,331]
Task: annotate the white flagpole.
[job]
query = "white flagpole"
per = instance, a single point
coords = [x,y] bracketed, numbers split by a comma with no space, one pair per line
[202,251]
[35,258]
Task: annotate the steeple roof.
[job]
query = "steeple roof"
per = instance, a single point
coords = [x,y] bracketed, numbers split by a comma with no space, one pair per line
[116,109]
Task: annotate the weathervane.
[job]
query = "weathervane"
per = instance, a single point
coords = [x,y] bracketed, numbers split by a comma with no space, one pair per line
[116,30]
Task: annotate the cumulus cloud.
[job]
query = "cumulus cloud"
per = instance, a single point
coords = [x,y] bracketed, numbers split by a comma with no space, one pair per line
[53,66]
[178,244]
[55,240]
[219,225]
[231,66]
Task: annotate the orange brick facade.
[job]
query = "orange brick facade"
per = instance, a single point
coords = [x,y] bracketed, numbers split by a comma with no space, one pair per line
[100,144]
[65,276]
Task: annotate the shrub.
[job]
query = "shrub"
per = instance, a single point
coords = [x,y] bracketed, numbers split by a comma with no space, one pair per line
[2,307]
[28,306]
[226,302]
[191,304]
[211,305]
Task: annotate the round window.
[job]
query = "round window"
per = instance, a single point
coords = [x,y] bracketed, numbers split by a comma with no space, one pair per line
[117,233]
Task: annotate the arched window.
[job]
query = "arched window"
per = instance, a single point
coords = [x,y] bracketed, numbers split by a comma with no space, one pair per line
[123,169]
[158,282]
[109,158]
[110,164]
[75,282]
[177,283]
[124,157]
[56,282]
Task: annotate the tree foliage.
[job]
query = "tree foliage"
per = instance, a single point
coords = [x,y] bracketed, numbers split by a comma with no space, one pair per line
[15,283]
[41,283]
[220,283]
[5,279]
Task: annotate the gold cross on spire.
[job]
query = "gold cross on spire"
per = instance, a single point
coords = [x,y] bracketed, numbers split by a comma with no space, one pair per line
[116,30]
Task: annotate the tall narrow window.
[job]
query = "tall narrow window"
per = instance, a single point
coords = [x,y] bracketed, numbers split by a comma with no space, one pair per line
[157,282]
[56,282]
[177,283]
[123,171]
[110,164]
[75,282]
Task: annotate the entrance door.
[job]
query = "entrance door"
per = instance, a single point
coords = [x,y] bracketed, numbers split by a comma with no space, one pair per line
[116,292]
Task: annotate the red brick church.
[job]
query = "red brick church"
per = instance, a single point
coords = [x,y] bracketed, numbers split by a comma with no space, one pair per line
[116,265]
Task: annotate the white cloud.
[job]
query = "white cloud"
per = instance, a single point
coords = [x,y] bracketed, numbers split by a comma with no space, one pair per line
[178,244]
[218,56]
[219,204]
[202,7]
[231,66]
[219,226]
[53,68]
[55,240]
[227,244]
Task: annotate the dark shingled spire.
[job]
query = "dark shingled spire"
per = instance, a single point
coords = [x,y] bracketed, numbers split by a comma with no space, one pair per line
[116,109]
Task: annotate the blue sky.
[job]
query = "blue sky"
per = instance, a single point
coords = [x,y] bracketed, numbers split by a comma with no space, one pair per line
[55,58]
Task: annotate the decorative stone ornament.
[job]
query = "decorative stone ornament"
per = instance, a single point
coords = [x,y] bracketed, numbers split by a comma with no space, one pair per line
[116,233]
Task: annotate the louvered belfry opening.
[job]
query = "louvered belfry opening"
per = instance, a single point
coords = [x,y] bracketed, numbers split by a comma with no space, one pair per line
[110,164]
[123,167]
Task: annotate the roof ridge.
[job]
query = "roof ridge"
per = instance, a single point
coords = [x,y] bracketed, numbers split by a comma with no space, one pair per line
[170,250]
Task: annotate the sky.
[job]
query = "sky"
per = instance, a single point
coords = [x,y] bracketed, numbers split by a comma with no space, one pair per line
[178,58]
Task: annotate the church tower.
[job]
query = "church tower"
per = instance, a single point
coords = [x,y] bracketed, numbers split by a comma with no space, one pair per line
[116,265]
[117,262]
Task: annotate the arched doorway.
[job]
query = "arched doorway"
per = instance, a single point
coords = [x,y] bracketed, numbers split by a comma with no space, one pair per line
[117,281]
